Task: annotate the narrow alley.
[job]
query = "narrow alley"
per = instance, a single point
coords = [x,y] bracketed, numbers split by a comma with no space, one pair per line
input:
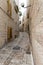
[14,53]
[21,32]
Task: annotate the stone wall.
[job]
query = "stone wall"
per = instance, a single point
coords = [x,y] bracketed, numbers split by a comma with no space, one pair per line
[36,29]
[6,21]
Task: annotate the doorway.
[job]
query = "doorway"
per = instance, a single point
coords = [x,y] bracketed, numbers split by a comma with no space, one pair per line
[9,33]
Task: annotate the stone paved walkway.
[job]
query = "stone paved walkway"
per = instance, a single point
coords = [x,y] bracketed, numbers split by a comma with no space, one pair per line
[10,56]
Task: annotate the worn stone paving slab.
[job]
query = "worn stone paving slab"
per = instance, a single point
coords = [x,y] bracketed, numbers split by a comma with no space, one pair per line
[10,56]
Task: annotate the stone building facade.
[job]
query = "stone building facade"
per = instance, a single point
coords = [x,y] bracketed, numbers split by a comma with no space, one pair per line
[36,30]
[35,22]
[8,22]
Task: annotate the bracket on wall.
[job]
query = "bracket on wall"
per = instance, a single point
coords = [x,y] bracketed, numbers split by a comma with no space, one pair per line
[22,5]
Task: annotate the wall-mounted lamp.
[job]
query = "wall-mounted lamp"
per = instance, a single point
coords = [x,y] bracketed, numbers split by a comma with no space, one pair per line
[22,5]
[17,10]
[20,13]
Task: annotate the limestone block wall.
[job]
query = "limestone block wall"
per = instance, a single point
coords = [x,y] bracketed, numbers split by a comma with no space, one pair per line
[15,16]
[6,22]
[36,30]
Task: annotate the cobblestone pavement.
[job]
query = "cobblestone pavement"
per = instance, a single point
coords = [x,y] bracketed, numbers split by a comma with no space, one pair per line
[11,56]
